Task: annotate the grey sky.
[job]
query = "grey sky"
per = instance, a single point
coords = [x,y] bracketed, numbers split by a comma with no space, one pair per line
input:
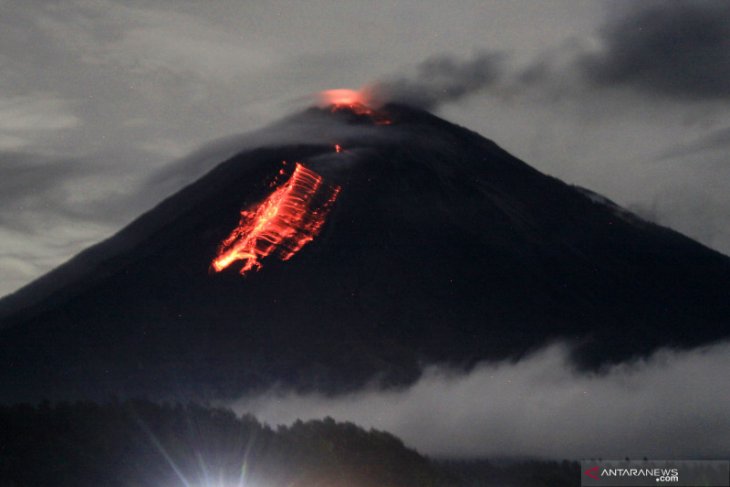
[99,96]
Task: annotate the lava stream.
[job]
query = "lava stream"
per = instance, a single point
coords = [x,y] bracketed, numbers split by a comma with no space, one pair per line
[289,218]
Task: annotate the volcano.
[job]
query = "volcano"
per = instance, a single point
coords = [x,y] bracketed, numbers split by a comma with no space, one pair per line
[413,241]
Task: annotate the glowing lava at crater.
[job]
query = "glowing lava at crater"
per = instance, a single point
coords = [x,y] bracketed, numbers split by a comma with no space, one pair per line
[353,101]
[344,99]
[289,218]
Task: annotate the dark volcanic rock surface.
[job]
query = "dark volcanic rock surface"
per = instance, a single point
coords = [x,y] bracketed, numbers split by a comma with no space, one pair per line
[441,247]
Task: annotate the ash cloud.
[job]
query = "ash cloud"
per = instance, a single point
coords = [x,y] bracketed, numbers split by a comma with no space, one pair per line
[440,79]
[679,49]
[671,405]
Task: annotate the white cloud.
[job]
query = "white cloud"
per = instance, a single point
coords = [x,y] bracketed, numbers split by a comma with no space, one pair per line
[672,405]
[30,113]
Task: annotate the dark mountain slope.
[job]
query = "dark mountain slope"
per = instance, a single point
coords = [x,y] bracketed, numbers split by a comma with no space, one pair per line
[440,247]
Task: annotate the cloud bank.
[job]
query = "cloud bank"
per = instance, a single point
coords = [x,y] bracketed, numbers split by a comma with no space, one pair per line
[671,405]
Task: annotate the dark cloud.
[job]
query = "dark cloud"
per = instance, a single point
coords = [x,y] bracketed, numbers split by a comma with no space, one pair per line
[36,188]
[441,79]
[31,181]
[679,48]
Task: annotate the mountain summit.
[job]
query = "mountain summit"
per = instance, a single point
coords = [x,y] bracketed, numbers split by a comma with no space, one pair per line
[407,241]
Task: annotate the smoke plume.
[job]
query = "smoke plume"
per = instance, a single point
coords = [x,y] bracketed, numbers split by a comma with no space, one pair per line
[440,79]
[677,49]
